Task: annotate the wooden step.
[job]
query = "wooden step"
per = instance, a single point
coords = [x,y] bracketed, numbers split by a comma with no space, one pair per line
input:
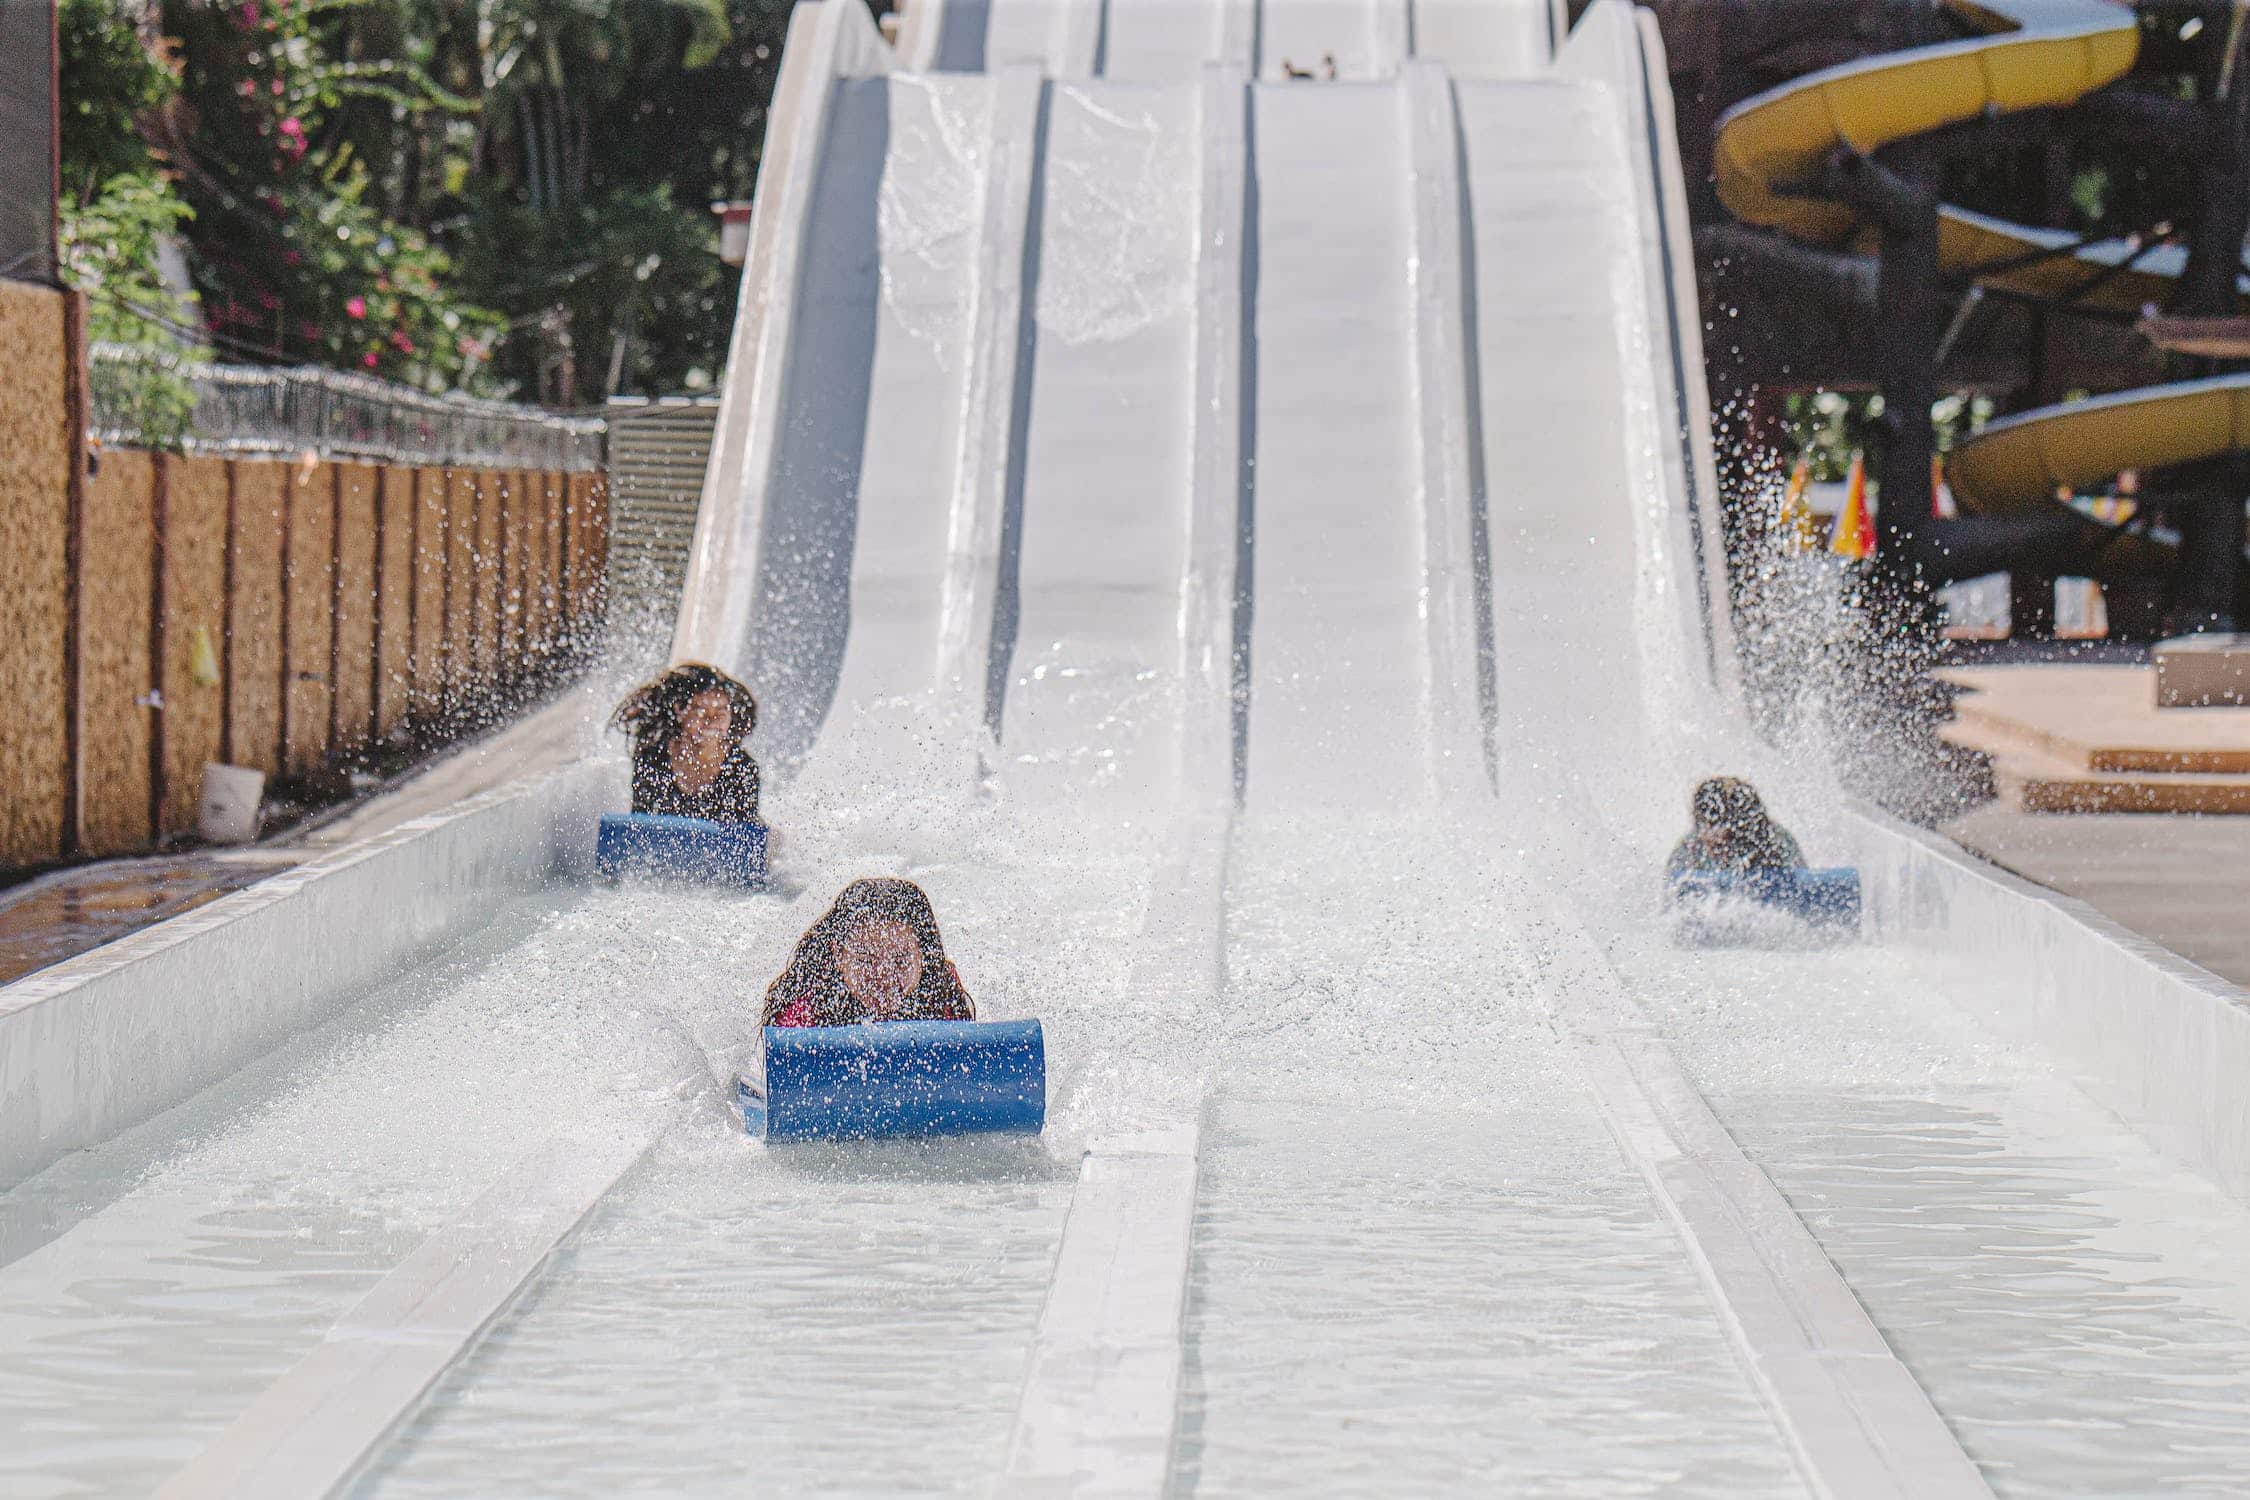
[2072,746]
[2041,783]
[2100,718]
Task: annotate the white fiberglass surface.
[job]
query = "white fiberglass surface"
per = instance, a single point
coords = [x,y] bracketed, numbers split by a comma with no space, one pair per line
[2072,1300]
[1571,517]
[929,215]
[1028,31]
[151,1287]
[1472,38]
[1339,698]
[1092,714]
[857,514]
[1421,1265]
[1366,38]
[1166,41]
[821,1322]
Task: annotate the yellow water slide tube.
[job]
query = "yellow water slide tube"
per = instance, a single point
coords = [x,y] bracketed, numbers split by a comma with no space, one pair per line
[2025,459]
[2038,54]
[2042,54]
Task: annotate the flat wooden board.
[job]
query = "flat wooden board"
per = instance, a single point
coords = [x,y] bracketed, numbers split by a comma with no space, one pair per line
[2099,718]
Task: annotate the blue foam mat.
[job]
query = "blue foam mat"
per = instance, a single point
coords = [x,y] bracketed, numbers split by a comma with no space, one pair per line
[901,1078]
[1824,896]
[681,849]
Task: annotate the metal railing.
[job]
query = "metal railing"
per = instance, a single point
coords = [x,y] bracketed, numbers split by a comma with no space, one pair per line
[141,397]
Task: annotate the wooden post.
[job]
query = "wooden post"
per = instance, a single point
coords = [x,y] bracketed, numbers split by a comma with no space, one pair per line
[226,617]
[159,637]
[74,626]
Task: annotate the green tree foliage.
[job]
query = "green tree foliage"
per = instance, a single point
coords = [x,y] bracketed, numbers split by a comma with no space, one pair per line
[297,261]
[504,195]
[608,128]
[110,86]
[111,250]
[117,215]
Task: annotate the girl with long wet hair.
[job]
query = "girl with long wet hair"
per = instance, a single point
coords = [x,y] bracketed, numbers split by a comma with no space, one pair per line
[1733,834]
[875,956]
[691,728]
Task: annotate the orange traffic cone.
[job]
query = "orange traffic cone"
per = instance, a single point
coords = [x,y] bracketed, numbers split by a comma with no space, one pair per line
[1942,506]
[1854,536]
[1799,531]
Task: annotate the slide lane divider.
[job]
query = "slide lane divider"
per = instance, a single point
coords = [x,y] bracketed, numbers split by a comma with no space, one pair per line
[988,472]
[1450,444]
[1101,1397]
[312,1431]
[1858,1423]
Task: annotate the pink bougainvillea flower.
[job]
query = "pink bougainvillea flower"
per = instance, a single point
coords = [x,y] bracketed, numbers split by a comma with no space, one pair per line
[291,127]
[401,342]
[357,307]
[277,88]
[368,359]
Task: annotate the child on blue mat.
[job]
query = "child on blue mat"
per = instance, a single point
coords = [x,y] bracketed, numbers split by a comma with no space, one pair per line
[1733,835]
[691,729]
[874,956]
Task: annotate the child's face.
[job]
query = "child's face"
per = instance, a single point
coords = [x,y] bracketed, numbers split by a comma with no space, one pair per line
[704,722]
[880,963]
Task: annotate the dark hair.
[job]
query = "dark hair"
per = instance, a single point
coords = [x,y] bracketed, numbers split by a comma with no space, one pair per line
[651,712]
[812,974]
[1727,802]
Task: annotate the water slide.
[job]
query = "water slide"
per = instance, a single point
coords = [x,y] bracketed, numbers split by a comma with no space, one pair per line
[2038,54]
[1247,547]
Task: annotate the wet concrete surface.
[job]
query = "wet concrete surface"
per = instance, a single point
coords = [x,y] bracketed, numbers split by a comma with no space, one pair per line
[2178,879]
[62,915]
[68,912]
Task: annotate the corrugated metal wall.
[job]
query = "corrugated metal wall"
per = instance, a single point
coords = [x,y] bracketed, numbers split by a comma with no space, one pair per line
[27,140]
[657,453]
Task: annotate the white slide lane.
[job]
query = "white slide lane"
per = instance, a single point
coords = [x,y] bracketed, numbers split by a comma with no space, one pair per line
[1339,692]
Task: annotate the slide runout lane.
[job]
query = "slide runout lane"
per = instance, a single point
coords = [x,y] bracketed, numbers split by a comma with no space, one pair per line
[1101,1400]
[904,1285]
[1348,1232]
[1855,1419]
[428,1465]
[1854,1085]
[187,1265]
[1339,676]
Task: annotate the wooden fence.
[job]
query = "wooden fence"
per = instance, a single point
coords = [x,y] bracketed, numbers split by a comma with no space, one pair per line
[160,612]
